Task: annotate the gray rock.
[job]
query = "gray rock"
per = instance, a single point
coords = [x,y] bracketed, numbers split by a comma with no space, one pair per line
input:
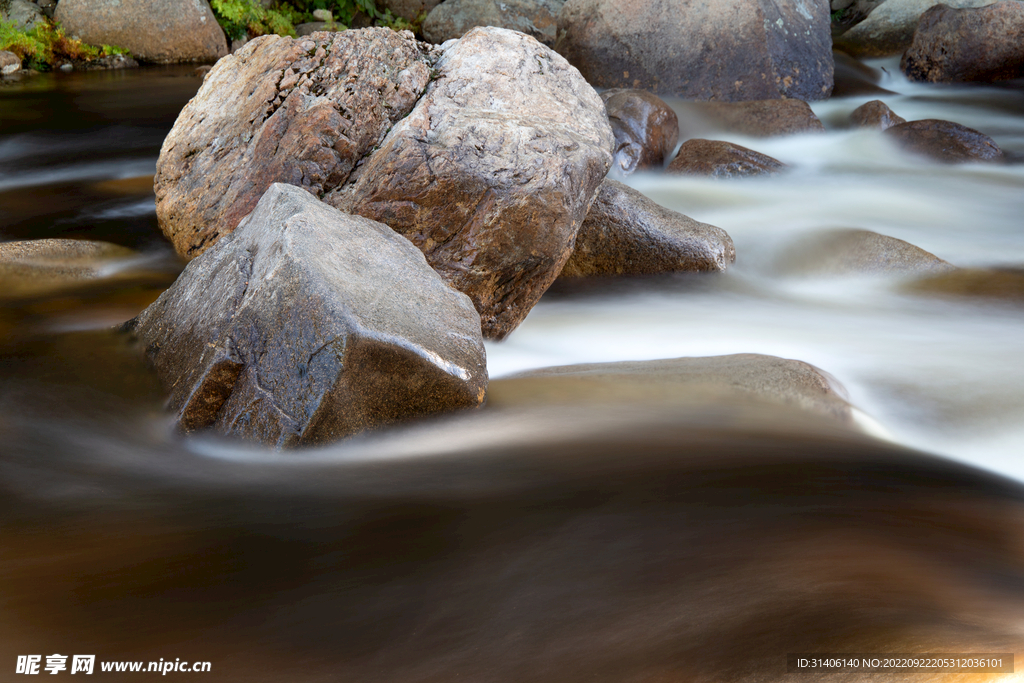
[682,382]
[410,10]
[945,141]
[300,111]
[720,159]
[702,49]
[626,233]
[453,18]
[857,252]
[9,62]
[875,114]
[24,14]
[310,27]
[307,325]
[493,172]
[646,129]
[957,45]
[761,118]
[153,30]
[889,29]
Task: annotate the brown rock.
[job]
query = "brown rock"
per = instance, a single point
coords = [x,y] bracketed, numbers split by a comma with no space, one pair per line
[646,129]
[853,77]
[677,381]
[9,62]
[34,267]
[945,141]
[453,18]
[628,234]
[875,114]
[410,10]
[1005,285]
[889,29]
[702,49]
[153,30]
[306,325]
[719,159]
[493,172]
[955,45]
[762,118]
[858,252]
[301,111]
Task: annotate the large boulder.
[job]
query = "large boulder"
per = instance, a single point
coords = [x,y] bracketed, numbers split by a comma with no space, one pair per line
[453,18]
[628,234]
[23,14]
[700,49]
[306,325]
[153,30]
[889,29]
[761,118]
[945,141]
[983,44]
[646,129]
[297,111]
[493,172]
[720,159]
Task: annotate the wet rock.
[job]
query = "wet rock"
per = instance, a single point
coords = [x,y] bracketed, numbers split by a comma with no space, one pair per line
[307,325]
[679,382]
[955,45]
[646,129]
[493,172]
[875,114]
[762,118]
[301,111]
[857,252]
[23,14]
[410,10]
[626,233]
[721,50]
[945,141]
[153,30]
[453,18]
[889,29]
[719,159]
[9,62]
[34,267]
[852,77]
[1005,285]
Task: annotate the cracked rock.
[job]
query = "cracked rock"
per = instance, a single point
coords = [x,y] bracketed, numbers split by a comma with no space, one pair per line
[306,325]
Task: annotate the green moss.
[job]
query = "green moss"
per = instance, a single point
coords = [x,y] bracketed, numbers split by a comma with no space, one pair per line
[46,46]
[243,18]
[248,18]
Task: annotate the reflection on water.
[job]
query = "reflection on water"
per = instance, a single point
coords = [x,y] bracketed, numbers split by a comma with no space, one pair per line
[611,543]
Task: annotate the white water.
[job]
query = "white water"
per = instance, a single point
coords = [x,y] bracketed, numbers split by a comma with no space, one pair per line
[940,375]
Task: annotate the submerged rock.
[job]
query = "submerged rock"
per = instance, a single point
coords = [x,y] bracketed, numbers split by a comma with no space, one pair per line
[493,172]
[34,267]
[153,30]
[678,382]
[855,78]
[762,118]
[889,29]
[875,114]
[857,252]
[721,50]
[1006,285]
[298,111]
[646,129]
[945,141]
[955,45]
[307,325]
[720,159]
[453,18]
[628,234]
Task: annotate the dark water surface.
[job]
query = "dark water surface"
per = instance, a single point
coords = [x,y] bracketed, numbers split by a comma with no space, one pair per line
[612,543]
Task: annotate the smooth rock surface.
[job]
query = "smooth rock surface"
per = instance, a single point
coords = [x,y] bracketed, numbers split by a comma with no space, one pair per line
[945,141]
[299,111]
[857,252]
[23,14]
[875,114]
[762,118]
[493,172]
[956,45]
[153,30]
[889,29]
[998,285]
[646,129]
[453,18]
[678,381]
[626,233]
[853,77]
[702,49]
[9,62]
[720,159]
[33,267]
[307,325]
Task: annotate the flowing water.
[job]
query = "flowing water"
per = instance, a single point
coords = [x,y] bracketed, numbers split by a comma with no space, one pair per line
[618,543]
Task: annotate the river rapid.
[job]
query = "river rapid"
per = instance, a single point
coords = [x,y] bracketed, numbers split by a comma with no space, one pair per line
[618,543]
